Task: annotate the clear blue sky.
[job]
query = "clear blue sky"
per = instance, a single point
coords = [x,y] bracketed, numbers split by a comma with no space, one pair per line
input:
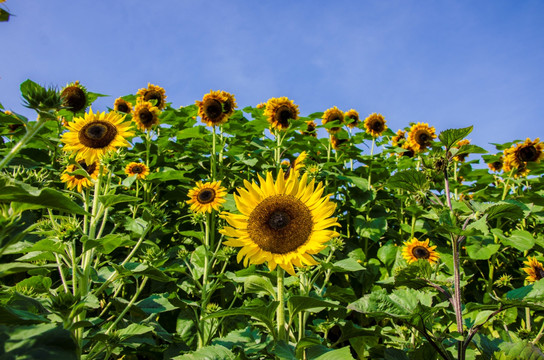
[448,63]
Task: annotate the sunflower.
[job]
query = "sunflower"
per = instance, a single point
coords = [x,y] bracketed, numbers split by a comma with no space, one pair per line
[216,107]
[94,135]
[399,138]
[146,115]
[282,222]
[352,118]
[414,250]
[496,165]
[206,196]
[421,136]
[79,180]
[337,143]
[139,169]
[122,105]
[74,97]
[462,157]
[375,124]
[310,129]
[153,92]
[330,115]
[517,156]
[279,111]
[534,269]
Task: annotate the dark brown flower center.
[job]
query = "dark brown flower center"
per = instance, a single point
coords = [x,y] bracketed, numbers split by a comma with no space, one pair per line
[146,117]
[227,107]
[123,107]
[283,115]
[280,224]
[335,117]
[73,97]
[497,165]
[421,252]
[539,273]
[137,169]
[377,126]
[528,153]
[423,138]
[97,134]
[88,168]
[206,196]
[213,109]
[154,95]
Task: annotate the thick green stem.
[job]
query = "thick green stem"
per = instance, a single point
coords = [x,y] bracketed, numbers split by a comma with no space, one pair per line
[370,166]
[213,157]
[280,313]
[129,305]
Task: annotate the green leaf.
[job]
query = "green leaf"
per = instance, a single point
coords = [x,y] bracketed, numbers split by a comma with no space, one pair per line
[284,351]
[265,314]
[16,267]
[357,181]
[296,304]
[339,354]
[248,339]
[155,304]
[481,248]
[110,200]
[451,137]
[346,265]
[133,330]
[261,285]
[370,229]
[108,243]
[4,15]
[402,303]
[195,132]
[504,210]
[522,350]
[167,175]
[409,180]
[519,239]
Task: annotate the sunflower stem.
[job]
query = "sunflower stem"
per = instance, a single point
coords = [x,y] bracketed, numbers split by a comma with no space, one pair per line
[129,305]
[213,158]
[277,150]
[280,313]
[26,138]
[370,166]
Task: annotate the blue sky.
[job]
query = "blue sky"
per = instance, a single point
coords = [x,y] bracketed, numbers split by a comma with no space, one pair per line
[446,63]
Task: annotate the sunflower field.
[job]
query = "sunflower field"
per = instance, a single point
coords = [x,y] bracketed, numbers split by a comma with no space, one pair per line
[213,231]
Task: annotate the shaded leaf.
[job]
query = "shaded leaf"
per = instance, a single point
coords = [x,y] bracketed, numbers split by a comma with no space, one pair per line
[450,137]
[409,180]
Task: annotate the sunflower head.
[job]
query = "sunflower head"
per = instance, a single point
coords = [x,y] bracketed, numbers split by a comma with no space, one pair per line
[534,269]
[351,118]
[146,115]
[280,111]
[138,169]
[92,136]
[310,129]
[122,105]
[330,115]
[337,143]
[216,107]
[375,124]
[153,92]
[414,250]
[496,165]
[205,197]
[462,157]
[519,155]
[282,222]
[421,136]
[399,138]
[74,97]
[80,181]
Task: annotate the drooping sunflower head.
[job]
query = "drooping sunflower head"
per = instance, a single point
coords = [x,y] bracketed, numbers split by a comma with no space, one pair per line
[496,165]
[205,197]
[351,118]
[399,138]
[337,143]
[216,107]
[310,129]
[282,222]
[153,92]
[333,114]
[80,181]
[462,157]
[279,112]
[421,136]
[122,105]
[414,250]
[145,115]
[138,169]
[534,269]
[96,134]
[375,124]
[74,97]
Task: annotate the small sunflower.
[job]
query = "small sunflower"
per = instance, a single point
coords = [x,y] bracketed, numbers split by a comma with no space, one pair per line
[230,104]
[534,269]
[421,136]
[122,105]
[260,106]
[399,138]
[352,118]
[74,97]
[520,154]
[139,169]
[80,181]
[414,250]
[310,129]
[279,112]
[330,115]
[153,92]
[496,165]
[462,157]
[216,107]
[94,135]
[205,197]
[282,222]
[337,143]
[146,115]
[375,124]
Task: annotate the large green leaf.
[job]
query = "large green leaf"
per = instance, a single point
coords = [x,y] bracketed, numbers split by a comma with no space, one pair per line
[339,354]
[261,285]
[401,303]
[519,239]
[296,304]
[373,229]
[212,352]
[481,248]
[504,210]
[450,137]
[156,303]
[522,350]
[265,314]
[110,200]
[409,180]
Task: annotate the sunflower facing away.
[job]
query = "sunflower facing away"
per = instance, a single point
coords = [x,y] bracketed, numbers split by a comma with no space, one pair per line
[279,112]
[122,105]
[94,135]
[534,269]
[139,169]
[206,196]
[496,165]
[74,97]
[517,156]
[399,138]
[337,143]
[330,115]
[80,181]
[462,157]
[146,115]
[282,222]
[153,92]
[216,107]
[375,124]
[420,136]
[310,128]
[352,118]
[414,250]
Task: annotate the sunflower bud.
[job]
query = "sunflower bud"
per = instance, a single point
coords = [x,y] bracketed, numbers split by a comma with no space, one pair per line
[39,98]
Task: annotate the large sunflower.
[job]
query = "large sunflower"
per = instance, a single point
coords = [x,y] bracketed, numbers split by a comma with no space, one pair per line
[375,124]
[414,250]
[279,112]
[517,156]
[153,92]
[146,115]
[421,136]
[80,181]
[94,135]
[122,105]
[74,97]
[534,269]
[330,115]
[282,222]
[352,118]
[216,107]
[205,197]
[139,169]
